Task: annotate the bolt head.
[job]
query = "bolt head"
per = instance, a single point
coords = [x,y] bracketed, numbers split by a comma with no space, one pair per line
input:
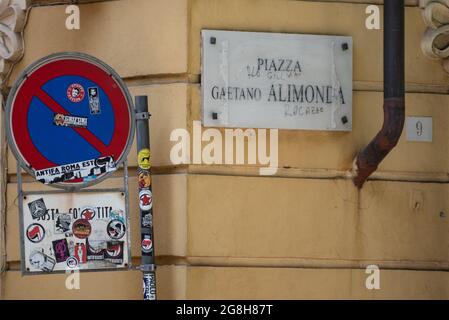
[344,120]
[345,46]
[213,40]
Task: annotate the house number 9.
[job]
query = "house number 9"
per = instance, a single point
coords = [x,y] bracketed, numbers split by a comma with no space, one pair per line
[419,128]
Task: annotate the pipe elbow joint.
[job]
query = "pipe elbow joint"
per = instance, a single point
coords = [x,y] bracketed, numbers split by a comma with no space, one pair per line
[388,137]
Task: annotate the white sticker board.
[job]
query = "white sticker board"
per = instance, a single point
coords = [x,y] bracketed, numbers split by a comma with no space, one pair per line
[75,231]
[272,80]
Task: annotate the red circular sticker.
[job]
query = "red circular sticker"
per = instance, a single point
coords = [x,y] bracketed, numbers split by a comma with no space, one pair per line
[81,228]
[88,213]
[75,92]
[35,233]
[147,244]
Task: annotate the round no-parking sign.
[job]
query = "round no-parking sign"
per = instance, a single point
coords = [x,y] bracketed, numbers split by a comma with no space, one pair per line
[69,120]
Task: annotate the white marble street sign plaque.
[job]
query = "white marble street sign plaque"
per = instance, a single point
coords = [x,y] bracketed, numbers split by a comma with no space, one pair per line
[271,80]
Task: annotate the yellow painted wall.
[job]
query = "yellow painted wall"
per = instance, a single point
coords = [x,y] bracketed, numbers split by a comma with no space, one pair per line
[226,232]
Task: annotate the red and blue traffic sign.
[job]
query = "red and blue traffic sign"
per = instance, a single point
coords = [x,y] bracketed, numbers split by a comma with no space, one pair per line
[69,120]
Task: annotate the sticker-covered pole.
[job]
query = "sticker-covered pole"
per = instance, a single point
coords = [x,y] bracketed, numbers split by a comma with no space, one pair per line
[148,266]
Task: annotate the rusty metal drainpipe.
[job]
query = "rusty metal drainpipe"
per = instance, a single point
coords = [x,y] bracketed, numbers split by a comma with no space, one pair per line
[394,104]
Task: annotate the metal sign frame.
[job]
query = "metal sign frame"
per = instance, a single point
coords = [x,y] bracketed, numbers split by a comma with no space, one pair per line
[21,194]
[18,84]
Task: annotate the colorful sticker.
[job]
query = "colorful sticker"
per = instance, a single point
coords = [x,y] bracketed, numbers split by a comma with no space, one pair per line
[116,229]
[147,244]
[41,261]
[149,286]
[147,220]
[62,120]
[145,200]
[62,223]
[72,263]
[95,249]
[88,213]
[114,252]
[71,244]
[37,208]
[94,100]
[117,215]
[75,92]
[61,250]
[143,159]
[80,252]
[144,179]
[35,233]
[78,170]
[81,228]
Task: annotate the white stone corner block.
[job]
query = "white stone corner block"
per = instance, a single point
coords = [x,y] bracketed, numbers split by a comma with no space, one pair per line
[435,41]
[12,22]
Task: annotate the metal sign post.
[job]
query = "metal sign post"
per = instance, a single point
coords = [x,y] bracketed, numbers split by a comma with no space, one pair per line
[148,266]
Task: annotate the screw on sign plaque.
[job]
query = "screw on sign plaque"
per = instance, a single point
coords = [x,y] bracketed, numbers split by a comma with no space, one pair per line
[69,120]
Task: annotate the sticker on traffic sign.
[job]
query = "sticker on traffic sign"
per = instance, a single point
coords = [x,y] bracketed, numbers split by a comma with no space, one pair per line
[77,170]
[35,233]
[144,179]
[72,263]
[70,121]
[145,200]
[71,111]
[143,159]
[41,261]
[88,213]
[75,92]
[116,229]
[147,244]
